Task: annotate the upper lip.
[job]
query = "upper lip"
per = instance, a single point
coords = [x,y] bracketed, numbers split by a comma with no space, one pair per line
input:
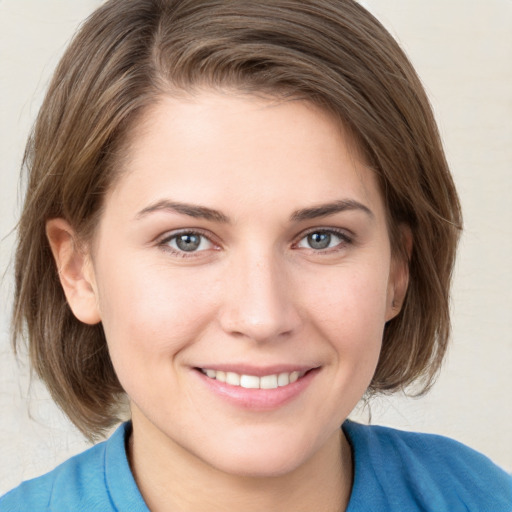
[258,371]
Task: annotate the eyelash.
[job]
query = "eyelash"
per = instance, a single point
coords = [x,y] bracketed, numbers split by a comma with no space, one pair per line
[164,243]
[345,240]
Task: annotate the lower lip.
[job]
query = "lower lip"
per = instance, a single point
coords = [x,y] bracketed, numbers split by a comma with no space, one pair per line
[258,399]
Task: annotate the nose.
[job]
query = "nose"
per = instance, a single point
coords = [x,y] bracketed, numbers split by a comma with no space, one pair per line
[259,300]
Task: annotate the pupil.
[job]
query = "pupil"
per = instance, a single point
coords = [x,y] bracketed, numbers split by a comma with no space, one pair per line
[319,240]
[188,242]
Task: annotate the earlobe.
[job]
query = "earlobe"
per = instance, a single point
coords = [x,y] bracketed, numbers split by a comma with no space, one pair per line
[75,271]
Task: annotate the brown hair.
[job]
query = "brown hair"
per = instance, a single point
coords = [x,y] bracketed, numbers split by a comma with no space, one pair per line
[130,52]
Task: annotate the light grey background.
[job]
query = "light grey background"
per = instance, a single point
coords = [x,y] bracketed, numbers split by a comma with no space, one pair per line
[462,49]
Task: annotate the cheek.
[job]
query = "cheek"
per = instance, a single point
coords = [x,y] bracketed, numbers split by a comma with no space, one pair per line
[353,298]
[150,314]
[349,311]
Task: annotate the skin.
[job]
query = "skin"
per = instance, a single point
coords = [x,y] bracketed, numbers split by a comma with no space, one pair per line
[254,294]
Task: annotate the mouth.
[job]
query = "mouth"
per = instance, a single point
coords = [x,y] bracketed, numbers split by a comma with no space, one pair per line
[272,381]
[256,388]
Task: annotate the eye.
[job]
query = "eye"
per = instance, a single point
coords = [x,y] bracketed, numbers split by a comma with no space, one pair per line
[187,242]
[320,240]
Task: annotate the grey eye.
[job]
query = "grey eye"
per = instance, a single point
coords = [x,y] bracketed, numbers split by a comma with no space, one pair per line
[319,240]
[188,242]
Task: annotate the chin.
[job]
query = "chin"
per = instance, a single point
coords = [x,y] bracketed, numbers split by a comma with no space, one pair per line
[260,465]
[262,458]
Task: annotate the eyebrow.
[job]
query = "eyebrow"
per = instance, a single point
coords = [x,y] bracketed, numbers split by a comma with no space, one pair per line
[202,212]
[324,210]
[192,210]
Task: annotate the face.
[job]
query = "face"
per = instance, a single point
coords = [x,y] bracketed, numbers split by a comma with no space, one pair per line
[242,271]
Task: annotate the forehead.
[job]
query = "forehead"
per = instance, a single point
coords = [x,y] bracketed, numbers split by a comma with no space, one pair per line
[220,148]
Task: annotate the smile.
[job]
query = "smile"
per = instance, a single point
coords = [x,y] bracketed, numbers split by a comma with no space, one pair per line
[273,381]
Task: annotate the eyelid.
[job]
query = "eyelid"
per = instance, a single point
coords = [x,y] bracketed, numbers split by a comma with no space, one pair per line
[345,235]
[163,241]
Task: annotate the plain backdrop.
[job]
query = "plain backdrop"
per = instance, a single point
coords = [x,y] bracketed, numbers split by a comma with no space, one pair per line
[462,49]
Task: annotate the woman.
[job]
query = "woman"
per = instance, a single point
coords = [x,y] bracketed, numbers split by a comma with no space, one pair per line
[240,218]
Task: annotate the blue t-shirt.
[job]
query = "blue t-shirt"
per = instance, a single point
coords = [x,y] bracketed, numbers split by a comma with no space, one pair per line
[393,471]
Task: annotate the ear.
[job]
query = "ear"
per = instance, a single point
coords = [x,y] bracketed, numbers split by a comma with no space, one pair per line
[75,269]
[399,275]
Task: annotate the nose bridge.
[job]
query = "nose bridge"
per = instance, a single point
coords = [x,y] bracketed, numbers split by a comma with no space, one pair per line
[258,297]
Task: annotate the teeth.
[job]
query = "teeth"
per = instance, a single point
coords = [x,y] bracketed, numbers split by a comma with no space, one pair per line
[283,379]
[233,378]
[268,382]
[253,382]
[249,381]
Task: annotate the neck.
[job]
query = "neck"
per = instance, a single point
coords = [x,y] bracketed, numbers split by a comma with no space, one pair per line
[172,479]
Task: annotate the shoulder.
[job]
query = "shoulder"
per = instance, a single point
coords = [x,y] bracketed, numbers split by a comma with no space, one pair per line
[438,472]
[82,483]
[73,484]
